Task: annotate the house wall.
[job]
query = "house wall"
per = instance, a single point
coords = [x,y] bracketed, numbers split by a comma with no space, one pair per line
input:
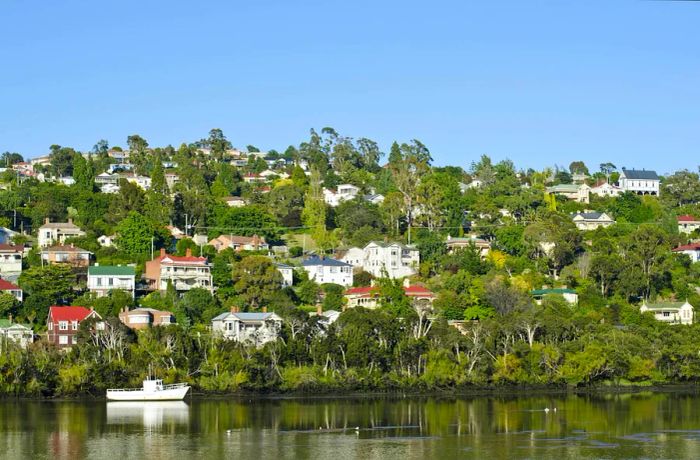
[10,262]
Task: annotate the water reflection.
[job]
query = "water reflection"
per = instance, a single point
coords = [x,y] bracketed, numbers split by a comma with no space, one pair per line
[153,414]
[617,426]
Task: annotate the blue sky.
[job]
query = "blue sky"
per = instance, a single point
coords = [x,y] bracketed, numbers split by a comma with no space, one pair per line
[539,82]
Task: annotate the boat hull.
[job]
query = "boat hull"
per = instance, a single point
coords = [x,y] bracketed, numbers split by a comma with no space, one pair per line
[170,394]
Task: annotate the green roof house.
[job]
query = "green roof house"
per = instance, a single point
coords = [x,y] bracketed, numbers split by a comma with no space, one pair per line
[105,278]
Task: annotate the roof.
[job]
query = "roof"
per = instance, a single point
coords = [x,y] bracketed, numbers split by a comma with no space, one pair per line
[591,215]
[552,291]
[244,316]
[10,247]
[113,270]
[637,174]
[411,291]
[383,244]
[279,265]
[65,248]
[152,311]
[61,225]
[70,313]
[565,188]
[664,305]
[5,323]
[324,261]
[7,286]
[687,218]
[687,247]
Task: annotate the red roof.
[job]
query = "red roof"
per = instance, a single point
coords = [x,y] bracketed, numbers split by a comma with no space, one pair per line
[7,286]
[57,313]
[411,291]
[363,290]
[687,218]
[10,247]
[183,259]
[417,290]
[688,247]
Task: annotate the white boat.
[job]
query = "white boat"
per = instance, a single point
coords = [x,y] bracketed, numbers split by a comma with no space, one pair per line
[153,390]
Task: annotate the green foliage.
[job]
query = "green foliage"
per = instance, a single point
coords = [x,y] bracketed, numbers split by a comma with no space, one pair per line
[137,235]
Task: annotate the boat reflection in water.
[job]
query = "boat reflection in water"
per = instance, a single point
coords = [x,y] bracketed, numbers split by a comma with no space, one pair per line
[153,414]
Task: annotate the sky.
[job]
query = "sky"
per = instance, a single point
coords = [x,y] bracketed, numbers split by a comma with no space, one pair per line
[539,82]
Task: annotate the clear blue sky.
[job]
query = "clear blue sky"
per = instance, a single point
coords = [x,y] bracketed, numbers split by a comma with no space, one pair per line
[539,82]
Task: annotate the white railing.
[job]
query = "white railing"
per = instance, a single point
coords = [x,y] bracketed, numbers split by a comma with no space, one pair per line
[173,386]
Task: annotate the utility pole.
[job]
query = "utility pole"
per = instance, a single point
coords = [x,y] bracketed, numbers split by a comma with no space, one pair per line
[186,224]
[152,248]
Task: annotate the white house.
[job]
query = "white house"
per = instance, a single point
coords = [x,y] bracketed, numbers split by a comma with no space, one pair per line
[324,270]
[569,295]
[287,273]
[18,333]
[640,182]
[576,192]
[57,232]
[235,201]
[670,312]
[692,250]
[183,272]
[105,278]
[687,224]
[457,243]
[606,189]
[590,220]
[375,198]
[343,192]
[12,289]
[250,328]
[11,259]
[393,260]
[106,241]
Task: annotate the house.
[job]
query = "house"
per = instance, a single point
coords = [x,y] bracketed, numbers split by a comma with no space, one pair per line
[239,243]
[569,295]
[687,224]
[143,182]
[269,174]
[105,278]
[354,256]
[391,260]
[183,272]
[375,198]
[106,178]
[13,290]
[171,179]
[343,192]
[106,241]
[20,334]
[235,201]
[176,232]
[11,259]
[6,235]
[591,220]
[110,188]
[66,254]
[455,244]
[670,312]
[57,232]
[640,182]
[692,250]
[142,318]
[606,189]
[475,183]
[287,273]
[324,270]
[63,324]
[250,328]
[576,192]
[325,318]
[368,296]
[251,178]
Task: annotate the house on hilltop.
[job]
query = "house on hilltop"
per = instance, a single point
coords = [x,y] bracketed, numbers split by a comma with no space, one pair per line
[641,182]
[591,220]
[105,278]
[670,312]
[57,232]
[687,224]
[325,270]
[692,250]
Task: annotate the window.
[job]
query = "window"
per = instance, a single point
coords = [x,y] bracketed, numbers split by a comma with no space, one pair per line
[74,325]
[50,326]
[667,314]
[110,281]
[63,325]
[99,281]
[63,340]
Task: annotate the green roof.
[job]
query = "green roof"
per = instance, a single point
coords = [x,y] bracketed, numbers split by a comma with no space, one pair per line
[113,270]
[552,291]
[665,305]
[5,323]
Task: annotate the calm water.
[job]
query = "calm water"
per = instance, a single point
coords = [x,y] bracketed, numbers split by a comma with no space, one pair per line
[618,426]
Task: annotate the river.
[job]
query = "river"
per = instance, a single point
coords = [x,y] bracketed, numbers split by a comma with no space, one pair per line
[642,425]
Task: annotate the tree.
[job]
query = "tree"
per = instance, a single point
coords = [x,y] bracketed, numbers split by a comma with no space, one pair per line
[413,163]
[247,221]
[10,158]
[256,280]
[138,150]
[286,202]
[681,188]
[8,305]
[314,214]
[136,235]
[83,173]
[52,283]
[578,167]
[62,160]
[218,143]
[195,302]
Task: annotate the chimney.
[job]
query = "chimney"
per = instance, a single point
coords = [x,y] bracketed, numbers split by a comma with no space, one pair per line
[162,252]
[264,309]
[9,318]
[70,220]
[406,282]
[47,221]
[319,309]
[188,252]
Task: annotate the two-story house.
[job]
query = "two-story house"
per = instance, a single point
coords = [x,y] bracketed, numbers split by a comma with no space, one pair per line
[11,259]
[251,328]
[687,224]
[343,192]
[57,232]
[606,189]
[239,243]
[591,220]
[324,270]
[670,312]
[63,324]
[368,297]
[105,278]
[641,182]
[454,244]
[12,289]
[183,272]
[142,318]
[692,250]
[576,192]
[287,273]
[66,254]
[392,260]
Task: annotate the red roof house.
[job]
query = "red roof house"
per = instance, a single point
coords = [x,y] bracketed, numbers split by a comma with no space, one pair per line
[687,223]
[16,291]
[63,324]
[368,296]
